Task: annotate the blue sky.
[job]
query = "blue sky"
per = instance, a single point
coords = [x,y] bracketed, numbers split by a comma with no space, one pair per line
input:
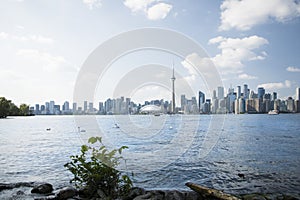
[44,43]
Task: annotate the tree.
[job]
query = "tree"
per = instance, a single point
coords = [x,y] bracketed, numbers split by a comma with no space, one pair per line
[24,109]
[4,107]
[13,110]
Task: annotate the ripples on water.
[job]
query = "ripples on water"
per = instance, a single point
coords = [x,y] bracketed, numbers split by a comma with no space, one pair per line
[164,152]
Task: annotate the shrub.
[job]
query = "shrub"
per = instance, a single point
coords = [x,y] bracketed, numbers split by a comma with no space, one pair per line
[95,171]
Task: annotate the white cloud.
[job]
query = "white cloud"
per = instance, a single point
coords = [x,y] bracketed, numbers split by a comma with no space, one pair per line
[138,5]
[246,77]
[236,51]
[92,3]
[201,67]
[27,38]
[34,38]
[151,8]
[245,14]
[158,11]
[279,85]
[293,69]
[45,60]
[3,35]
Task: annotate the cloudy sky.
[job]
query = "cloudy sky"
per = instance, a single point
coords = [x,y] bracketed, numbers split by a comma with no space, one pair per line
[45,43]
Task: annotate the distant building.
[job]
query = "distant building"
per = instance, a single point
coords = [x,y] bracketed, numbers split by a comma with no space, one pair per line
[66,107]
[182,102]
[238,94]
[214,94]
[37,109]
[220,92]
[51,107]
[201,101]
[250,106]
[91,107]
[74,108]
[297,94]
[246,95]
[290,105]
[85,105]
[260,92]
[101,108]
[274,96]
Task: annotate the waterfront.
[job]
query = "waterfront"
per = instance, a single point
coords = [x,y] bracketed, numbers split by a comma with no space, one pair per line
[164,152]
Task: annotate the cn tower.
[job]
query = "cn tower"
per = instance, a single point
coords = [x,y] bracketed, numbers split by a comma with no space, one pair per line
[173,91]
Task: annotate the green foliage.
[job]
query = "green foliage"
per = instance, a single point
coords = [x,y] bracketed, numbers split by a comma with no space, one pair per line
[13,110]
[7,108]
[95,168]
[4,107]
[24,110]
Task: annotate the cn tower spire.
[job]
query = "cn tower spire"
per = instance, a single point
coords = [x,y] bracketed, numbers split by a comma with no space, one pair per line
[173,90]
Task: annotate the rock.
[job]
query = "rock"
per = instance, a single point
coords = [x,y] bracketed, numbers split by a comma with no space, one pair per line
[253,197]
[210,193]
[8,186]
[44,188]
[134,192]
[174,195]
[144,196]
[67,192]
[193,196]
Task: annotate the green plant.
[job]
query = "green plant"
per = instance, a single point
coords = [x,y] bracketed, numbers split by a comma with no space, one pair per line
[95,169]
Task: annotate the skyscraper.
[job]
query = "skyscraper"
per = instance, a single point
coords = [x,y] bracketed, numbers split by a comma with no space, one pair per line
[260,92]
[201,100]
[238,95]
[183,102]
[274,96]
[297,94]
[173,91]
[74,107]
[85,106]
[220,92]
[246,91]
[214,94]
[51,107]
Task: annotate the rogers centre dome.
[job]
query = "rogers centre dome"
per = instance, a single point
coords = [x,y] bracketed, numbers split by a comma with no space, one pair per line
[150,109]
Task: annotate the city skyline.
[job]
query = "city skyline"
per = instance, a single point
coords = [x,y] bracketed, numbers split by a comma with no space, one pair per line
[214,93]
[234,101]
[44,44]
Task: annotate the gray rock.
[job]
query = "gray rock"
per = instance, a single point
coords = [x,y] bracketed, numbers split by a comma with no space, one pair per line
[174,195]
[67,192]
[134,192]
[44,188]
[144,196]
[254,197]
[193,196]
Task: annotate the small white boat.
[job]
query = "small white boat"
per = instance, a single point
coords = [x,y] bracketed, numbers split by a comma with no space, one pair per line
[273,112]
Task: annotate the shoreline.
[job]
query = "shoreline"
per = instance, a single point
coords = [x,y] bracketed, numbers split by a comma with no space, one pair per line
[45,191]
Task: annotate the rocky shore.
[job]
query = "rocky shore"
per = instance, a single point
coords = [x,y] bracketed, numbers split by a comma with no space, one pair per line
[45,191]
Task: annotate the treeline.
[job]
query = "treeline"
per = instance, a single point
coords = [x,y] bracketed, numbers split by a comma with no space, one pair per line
[8,108]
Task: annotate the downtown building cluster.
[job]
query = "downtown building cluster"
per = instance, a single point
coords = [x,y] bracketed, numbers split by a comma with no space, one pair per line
[117,106]
[240,101]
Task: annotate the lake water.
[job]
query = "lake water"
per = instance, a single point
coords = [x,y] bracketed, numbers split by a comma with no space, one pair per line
[164,152]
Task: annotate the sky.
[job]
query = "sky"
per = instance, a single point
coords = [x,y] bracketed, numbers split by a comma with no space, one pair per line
[44,44]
